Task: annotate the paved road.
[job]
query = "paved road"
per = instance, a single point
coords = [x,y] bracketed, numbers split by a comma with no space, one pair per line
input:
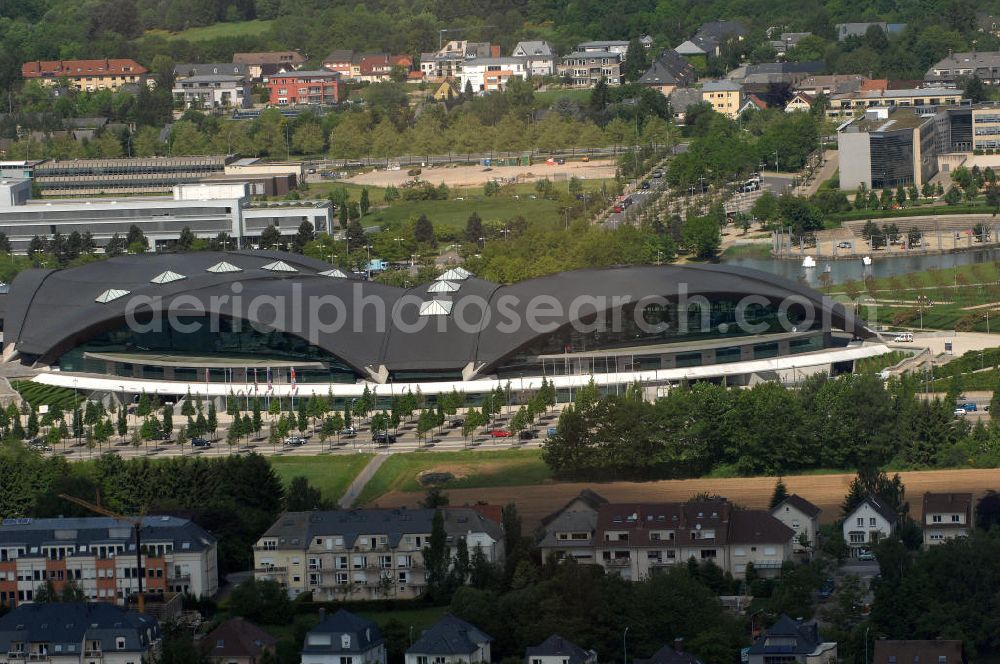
[640,198]
[358,484]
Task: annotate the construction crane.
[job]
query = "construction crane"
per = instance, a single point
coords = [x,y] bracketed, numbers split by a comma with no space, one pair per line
[444,30]
[134,521]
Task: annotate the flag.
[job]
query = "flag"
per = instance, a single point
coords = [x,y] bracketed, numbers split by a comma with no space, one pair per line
[269,384]
[293,378]
[255,379]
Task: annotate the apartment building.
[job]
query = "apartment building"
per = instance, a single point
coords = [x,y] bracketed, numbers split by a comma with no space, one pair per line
[586,68]
[953,69]
[263,65]
[867,525]
[212,91]
[98,554]
[946,516]
[365,554]
[726,97]
[78,633]
[86,75]
[485,75]
[189,69]
[849,104]
[570,531]
[635,539]
[320,87]
[451,58]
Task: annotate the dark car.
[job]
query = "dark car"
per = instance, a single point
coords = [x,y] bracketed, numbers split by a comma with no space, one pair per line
[657,174]
[646,185]
[200,442]
[457,422]
[383,438]
[826,590]
[527,434]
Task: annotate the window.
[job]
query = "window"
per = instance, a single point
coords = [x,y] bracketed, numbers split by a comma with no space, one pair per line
[345,641]
[421,659]
[770,551]
[871,521]
[120,642]
[857,538]
[346,660]
[936,518]
[955,518]
[740,551]
[861,521]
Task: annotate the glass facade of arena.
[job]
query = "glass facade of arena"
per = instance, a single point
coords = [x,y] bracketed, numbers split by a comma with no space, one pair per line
[661,324]
[204,345]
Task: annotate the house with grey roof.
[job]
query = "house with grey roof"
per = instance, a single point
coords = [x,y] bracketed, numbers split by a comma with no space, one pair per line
[671,655]
[789,640]
[182,557]
[189,69]
[570,531]
[213,91]
[451,640]
[868,524]
[668,72]
[959,66]
[540,58]
[787,41]
[681,99]
[77,632]
[801,516]
[557,650]
[366,554]
[611,46]
[343,638]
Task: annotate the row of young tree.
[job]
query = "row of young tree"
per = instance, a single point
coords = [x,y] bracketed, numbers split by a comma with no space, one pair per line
[841,422]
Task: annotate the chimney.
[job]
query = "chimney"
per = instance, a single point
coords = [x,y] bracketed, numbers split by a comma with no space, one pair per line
[679,644]
[322,614]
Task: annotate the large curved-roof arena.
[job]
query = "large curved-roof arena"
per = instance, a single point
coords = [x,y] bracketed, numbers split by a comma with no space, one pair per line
[208,320]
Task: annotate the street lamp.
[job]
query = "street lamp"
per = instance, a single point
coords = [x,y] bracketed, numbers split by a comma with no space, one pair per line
[625,646]
[483,240]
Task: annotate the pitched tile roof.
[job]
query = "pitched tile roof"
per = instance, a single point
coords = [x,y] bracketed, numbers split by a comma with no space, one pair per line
[237,637]
[797,501]
[327,636]
[557,646]
[757,527]
[70,625]
[74,68]
[918,652]
[947,502]
[269,58]
[667,655]
[794,638]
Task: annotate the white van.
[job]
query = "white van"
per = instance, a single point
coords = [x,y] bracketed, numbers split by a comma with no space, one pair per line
[904,337]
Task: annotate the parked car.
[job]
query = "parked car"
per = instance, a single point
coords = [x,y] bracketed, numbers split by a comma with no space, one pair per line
[457,422]
[200,442]
[903,337]
[969,407]
[844,245]
[552,431]
[383,438]
[867,556]
[826,590]
[646,184]
[959,412]
[295,441]
[499,433]
[527,434]
[348,432]
[657,174]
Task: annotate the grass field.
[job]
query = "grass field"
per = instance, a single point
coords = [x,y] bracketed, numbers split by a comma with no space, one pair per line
[418,618]
[580,96]
[330,474]
[46,395]
[239,29]
[472,469]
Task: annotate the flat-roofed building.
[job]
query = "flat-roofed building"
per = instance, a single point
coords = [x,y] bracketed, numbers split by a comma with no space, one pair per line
[320,87]
[142,175]
[212,91]
[586,68]
[850,104]
[887,148]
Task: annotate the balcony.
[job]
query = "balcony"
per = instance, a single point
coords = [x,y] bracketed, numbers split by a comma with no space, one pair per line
[15,655]
[271,569]
[618,562]
[93,653]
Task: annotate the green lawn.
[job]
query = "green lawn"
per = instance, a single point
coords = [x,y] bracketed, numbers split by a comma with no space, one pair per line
[418,618]
[548,97]
[331,474]
[239,29]
[473,469]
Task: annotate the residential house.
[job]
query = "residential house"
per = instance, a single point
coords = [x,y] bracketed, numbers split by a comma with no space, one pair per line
[800,101]
[668,72]
[787,41]
[697,46]
[936,651]
[570,531]
[449,89]
[681,99]
[98,554]
[187,70]
[237,641]
[364,554]
[378,68]
[213,91]
[340,61]
[801,516]
[710,36]
[83,633]
[951,70]
[483,75]
[586,68]
[450,640]
[304,87]
[829,84]
[725,96]
[263,65]
[946,516]
[788,641]
[670,655]
[635,539]
[867,524]
[752,103]
[613,46]
[86,75]
[557,650]
[988,23]
[344,638]
[774,73]
[539,56]
[450,58]
[848,30]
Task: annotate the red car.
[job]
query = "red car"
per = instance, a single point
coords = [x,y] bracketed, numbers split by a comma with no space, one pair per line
[499,433]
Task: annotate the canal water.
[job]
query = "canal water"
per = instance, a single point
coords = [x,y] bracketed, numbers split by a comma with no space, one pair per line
[845,270]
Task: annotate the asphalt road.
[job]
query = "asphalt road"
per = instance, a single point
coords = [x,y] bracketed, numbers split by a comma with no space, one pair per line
[640,198]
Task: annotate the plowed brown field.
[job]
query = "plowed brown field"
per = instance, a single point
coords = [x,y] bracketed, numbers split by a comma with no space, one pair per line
[826,491]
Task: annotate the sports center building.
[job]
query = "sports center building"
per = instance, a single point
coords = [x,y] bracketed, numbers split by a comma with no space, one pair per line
[272,323]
